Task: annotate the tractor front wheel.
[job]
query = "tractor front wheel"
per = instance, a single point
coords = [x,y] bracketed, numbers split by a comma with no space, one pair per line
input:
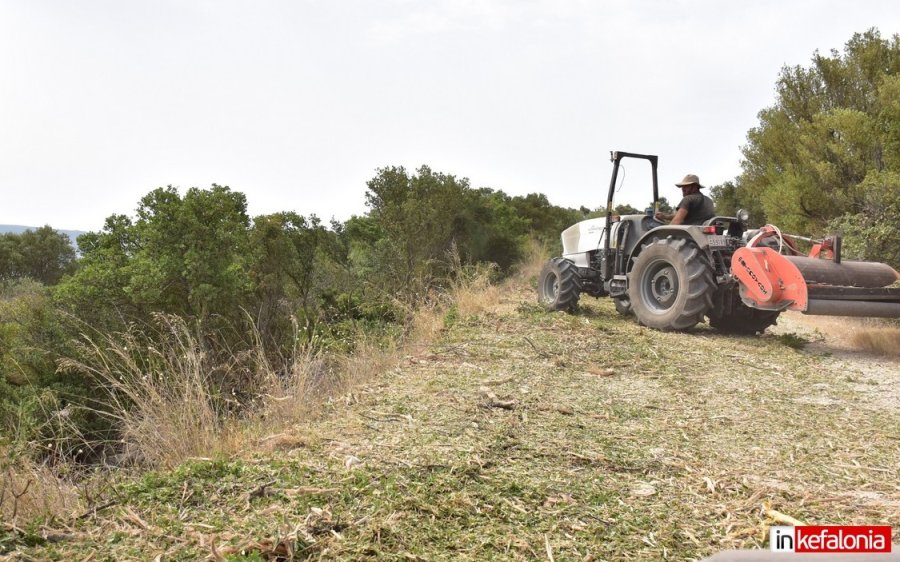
[671,284]
[559,286]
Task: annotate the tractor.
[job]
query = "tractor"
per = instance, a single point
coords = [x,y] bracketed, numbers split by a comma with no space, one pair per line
[672,277]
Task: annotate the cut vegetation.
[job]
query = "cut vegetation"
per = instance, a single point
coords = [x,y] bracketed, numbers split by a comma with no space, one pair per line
[526,435]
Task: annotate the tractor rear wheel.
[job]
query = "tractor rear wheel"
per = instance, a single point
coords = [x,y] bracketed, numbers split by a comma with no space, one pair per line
[671,284]
[559,286]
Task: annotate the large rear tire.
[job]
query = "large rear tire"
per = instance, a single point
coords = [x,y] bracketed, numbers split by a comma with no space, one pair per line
[559,286]
[671,285]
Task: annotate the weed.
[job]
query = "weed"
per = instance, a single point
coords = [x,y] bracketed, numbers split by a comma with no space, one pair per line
[452,316]
[530,309]
[533,260]
[794,341]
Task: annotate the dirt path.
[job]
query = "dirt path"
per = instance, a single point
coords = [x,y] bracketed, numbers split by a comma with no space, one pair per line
[875,376]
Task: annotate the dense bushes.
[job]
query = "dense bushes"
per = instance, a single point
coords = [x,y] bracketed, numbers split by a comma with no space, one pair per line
[244,292]
[43,255]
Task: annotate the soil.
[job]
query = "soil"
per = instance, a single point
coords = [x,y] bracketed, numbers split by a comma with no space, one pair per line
[876,377]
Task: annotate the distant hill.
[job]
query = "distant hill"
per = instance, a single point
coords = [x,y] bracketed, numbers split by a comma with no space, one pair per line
[19,229]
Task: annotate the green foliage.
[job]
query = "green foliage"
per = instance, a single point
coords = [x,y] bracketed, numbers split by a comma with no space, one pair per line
[792,340]
[625,209]
[874,233]
[33,395]
[729,199]
[418,215]
[490,229]
[416,219]
[833,126]
[44,255]
[183,255]
[545,220]
[664,205]
[286,250]
[240,289]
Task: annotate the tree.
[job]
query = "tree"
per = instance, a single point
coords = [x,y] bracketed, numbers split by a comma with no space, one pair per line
[833,125]
[665,206]
[490,229]
[285,248]
[182,255]
[419,215]
[874,233]
[729,199]
[43,255]
[625,209]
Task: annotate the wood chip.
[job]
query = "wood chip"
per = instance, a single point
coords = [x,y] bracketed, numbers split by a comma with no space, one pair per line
[643,490]
[779,517]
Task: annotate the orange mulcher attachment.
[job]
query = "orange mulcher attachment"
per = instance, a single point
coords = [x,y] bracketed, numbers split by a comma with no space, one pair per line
[771,280]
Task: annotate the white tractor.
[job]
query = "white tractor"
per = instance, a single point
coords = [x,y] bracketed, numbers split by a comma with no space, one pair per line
[671,277]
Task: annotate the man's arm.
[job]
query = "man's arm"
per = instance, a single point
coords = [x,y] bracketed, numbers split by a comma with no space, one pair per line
[662,217]
[676,218]
[680,215]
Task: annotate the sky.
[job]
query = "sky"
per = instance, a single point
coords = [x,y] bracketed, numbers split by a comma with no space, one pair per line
[298,103]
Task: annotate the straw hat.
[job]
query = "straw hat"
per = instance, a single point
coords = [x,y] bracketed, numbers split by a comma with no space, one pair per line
[690,179]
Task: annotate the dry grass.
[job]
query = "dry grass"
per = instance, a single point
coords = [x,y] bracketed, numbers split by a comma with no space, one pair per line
[29,491]
[841,334]
[473,292]
[167,397]
[315,377]
[885,341]
[533,260]
[164,393]
[159,393]
[425,323]
[524,435]
[368,361]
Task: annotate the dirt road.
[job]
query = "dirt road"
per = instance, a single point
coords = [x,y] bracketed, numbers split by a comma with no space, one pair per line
[875,376]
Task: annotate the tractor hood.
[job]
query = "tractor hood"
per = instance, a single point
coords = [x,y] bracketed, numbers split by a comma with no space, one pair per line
[584,236]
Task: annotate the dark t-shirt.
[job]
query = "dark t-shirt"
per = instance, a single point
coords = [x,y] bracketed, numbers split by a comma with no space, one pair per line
[700,208]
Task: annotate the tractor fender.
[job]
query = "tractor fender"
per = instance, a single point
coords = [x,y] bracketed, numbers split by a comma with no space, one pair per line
[688,232]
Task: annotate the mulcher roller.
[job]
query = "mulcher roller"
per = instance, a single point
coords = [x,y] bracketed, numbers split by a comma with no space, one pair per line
[771,281]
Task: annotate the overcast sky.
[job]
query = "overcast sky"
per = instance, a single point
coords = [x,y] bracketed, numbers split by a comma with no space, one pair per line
[297,103]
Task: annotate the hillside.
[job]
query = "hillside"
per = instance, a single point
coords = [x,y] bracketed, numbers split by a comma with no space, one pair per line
[525,435]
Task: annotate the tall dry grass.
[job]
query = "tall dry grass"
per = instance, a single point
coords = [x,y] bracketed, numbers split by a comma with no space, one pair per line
[171,397]
[474,291]
[314,376]
[160,392]
[167,392]
[885,341]
[534,257]
[29,490]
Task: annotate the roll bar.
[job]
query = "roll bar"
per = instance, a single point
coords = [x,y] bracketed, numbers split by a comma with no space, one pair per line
[616,157]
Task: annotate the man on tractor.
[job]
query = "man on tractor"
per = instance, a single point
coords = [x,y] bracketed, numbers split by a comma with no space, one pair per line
[694,207]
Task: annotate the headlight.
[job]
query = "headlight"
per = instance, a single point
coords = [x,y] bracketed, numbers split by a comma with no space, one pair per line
[743,215]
